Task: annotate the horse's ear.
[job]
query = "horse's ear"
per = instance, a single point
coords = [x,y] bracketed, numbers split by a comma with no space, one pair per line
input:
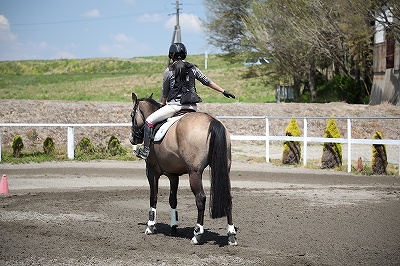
[134,97]
[151,96]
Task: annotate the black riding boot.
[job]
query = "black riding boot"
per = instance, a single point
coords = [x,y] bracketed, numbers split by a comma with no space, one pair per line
[144,151]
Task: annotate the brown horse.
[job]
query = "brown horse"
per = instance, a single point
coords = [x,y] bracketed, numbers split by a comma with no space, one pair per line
[194,142]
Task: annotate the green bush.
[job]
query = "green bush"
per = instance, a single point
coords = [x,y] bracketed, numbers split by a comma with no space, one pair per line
[17,145]
[345,88]
[85,146]
[48,146]
[379,156]
[114,147]
[332,152]
[292,149]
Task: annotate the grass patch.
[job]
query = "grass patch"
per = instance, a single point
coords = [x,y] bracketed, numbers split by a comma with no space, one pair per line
[391,169]
[33,156]
[113,79]
[60,154]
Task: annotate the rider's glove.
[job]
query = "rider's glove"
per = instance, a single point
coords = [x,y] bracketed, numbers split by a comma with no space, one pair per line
[228,94]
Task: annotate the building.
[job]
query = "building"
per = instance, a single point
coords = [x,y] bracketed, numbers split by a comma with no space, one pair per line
[386,84]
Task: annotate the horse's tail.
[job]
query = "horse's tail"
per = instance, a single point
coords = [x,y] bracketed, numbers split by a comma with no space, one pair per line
[220,192]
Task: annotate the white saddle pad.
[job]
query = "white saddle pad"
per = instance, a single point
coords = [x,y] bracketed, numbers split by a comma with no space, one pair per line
[164,128]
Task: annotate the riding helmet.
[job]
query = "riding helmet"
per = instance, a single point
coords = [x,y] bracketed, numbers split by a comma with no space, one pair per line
[177,51]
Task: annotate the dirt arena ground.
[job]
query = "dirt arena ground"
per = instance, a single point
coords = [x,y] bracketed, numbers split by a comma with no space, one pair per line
[94,213]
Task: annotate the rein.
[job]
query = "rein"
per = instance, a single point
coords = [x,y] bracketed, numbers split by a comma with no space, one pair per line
[137,131]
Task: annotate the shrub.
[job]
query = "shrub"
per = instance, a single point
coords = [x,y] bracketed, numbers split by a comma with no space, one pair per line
[332,152]
[17,145]
[345,88]
[292,149]
[48,146]
[379,156]
[85,146]
[114,147]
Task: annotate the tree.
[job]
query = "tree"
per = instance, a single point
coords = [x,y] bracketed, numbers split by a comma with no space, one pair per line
[225,25]
[377,9]
[306,36]
[275,30]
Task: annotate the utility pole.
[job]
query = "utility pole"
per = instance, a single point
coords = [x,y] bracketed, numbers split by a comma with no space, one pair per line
[177,31]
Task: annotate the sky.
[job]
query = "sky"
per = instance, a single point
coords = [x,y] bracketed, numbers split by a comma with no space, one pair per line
[66,29]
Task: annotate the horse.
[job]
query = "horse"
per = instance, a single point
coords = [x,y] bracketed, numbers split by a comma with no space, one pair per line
[195,141]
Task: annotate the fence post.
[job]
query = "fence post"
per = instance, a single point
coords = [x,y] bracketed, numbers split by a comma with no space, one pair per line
[305,142]
[71,143]
[348,144]
[266,139]
[1,141]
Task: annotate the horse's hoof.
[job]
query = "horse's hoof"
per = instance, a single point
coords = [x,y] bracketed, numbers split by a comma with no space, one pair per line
[195,240]
[149,230]
[232,243]
[174,228]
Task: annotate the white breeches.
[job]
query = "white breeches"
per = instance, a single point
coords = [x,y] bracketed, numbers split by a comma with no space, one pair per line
[166,112]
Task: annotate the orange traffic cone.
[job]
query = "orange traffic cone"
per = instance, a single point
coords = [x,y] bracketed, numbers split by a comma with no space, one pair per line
[4,185]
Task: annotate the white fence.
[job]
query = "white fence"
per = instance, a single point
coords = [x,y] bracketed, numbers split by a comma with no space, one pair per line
[267,137]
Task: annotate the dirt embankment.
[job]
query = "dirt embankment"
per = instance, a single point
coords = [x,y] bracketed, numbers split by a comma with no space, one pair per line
[62,112]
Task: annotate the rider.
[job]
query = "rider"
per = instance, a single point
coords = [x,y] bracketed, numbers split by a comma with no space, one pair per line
[171,94]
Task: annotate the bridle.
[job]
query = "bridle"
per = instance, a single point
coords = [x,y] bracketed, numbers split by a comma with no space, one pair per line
[137,132]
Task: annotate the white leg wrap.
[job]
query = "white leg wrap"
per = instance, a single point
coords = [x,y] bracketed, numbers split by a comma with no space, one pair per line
[199,229]
[231,229]
[232,241]
[174,218]
[152,221]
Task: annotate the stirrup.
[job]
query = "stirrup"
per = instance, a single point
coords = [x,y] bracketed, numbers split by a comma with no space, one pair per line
[142,152]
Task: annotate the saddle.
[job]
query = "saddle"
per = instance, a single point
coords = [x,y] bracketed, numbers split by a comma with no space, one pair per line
[161,128]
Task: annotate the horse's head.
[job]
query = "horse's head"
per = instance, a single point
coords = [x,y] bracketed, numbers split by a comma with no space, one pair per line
[142,108]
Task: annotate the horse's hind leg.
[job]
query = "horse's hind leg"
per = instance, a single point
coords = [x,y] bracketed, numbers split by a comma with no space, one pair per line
[173,201]
[197,188]
[153,182]
[232,240]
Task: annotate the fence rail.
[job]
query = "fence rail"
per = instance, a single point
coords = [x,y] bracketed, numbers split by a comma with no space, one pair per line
[305,139]
[267,137]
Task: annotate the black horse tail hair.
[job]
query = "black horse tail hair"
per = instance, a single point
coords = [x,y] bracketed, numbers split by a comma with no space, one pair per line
[220,192]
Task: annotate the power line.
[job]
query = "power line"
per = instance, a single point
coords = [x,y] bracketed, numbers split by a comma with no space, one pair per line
[79,20]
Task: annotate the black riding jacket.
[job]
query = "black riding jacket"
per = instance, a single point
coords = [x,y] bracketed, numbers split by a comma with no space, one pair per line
[172,91]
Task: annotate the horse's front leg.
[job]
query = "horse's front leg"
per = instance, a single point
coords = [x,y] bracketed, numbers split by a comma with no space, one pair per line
[173,201]
[196,185]
[153,182]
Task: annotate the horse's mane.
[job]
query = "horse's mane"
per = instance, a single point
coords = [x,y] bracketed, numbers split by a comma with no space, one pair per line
[151,101]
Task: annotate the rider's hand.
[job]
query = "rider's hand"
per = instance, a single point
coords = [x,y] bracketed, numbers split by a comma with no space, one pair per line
[228,94]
